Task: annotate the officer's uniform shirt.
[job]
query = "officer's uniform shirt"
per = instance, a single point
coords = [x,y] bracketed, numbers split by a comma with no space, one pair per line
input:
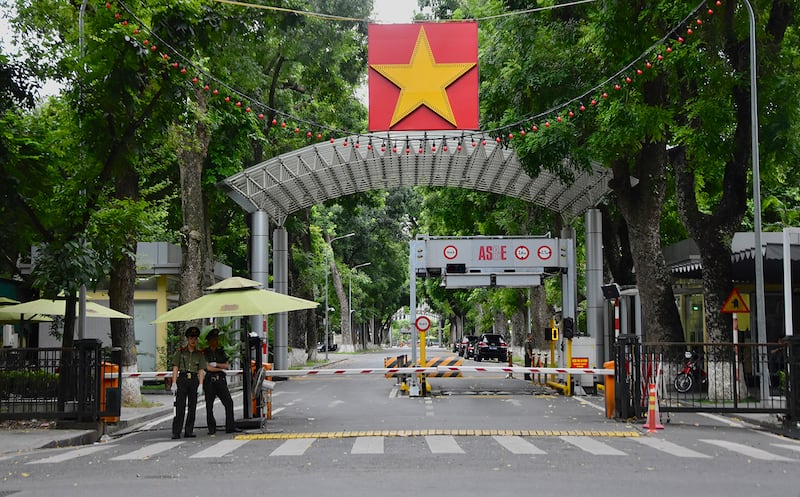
[218,355]
[189,363]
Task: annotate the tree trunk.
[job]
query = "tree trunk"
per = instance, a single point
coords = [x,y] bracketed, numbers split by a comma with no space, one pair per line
[122,282]
[541,313]
[196,266]
[348,344]
[641,206]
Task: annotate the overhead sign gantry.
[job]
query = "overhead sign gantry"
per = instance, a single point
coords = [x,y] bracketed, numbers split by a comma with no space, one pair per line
[492,261]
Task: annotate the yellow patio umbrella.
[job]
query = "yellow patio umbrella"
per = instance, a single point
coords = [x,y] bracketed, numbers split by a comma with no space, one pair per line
[235,297]
[15,317]
[58,307]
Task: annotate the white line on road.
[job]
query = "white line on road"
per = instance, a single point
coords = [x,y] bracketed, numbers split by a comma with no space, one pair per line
[747,450]
[293,447]
[368,445]
[84,451]
[723,420]
[795,448]
[220,449]
[147,452]
[669,447]
[443,444]
[592,446]
[518,445]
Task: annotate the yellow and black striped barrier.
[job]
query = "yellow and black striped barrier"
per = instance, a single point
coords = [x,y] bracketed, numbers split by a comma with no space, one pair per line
[444,361]
[400,361]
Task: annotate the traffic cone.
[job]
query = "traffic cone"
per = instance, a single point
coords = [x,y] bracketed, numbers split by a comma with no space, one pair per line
[652,424]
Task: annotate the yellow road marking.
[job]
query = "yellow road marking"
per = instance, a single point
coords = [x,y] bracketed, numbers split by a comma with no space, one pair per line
[424,433]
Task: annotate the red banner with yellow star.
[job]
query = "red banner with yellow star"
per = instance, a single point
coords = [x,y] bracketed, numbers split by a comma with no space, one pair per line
[423,76]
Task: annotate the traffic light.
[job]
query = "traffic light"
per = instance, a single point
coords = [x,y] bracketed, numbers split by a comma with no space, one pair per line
[568,328]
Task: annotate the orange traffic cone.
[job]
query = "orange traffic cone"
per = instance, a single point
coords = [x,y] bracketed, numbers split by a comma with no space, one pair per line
[652,424]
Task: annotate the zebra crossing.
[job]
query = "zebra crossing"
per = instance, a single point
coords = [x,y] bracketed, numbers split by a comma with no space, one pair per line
[439,445]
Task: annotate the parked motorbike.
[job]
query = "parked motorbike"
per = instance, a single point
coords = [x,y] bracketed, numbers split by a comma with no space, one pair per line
[691,374]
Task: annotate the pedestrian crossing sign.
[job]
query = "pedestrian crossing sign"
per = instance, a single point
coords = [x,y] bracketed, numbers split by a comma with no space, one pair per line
[736,303]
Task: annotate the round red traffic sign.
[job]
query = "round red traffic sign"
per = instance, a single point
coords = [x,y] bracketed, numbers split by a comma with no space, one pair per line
[522,252]
[450,252]
[544,252]
[423,323]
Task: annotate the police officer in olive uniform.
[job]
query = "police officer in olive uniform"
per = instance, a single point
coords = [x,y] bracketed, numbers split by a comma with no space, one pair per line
[529,345]
[188,371]
[215,384]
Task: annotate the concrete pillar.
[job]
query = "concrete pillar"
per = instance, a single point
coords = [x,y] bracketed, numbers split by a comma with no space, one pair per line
[259,263]
[594,280]
[280,266]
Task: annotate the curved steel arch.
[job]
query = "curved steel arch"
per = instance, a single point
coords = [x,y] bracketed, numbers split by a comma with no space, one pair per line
[325,171]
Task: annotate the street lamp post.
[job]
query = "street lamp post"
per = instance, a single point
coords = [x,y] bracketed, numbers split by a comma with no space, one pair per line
[350,299]
[327,268]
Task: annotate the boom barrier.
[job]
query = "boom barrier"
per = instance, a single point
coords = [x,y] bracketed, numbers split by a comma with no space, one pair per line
[392,371]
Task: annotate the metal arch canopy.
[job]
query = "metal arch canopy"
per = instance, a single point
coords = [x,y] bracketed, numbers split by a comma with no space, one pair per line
[325,171]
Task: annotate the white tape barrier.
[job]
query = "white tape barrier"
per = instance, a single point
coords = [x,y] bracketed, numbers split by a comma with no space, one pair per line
[383,371]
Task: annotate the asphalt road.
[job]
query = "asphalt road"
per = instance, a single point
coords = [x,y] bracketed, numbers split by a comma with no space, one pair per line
[358,435]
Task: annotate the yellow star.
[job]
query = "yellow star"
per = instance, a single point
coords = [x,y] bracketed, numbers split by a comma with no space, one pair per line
[423,82]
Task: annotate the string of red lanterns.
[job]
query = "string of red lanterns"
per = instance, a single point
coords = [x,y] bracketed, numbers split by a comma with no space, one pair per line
[503,134]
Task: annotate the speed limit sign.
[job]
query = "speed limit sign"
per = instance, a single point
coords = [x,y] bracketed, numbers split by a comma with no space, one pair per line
[423,323]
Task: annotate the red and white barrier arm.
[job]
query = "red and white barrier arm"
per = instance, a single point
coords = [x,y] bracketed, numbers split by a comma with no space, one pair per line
[291,372]
[523,370]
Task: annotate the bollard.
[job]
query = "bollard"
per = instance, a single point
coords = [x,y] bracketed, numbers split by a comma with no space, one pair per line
[608,381]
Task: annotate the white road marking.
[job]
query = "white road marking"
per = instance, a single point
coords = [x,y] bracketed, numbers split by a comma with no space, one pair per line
[723,420]
[747,450]
[443,444]
[518,445]
[669,447]
[293,447]
[72,454]
[220,449]
[147,452]
[367,445]
[793,447]
[592,446]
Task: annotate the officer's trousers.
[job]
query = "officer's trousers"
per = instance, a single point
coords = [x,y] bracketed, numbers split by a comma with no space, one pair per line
[187,393]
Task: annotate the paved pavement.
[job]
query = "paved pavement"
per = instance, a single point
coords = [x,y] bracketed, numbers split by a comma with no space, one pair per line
[38,435]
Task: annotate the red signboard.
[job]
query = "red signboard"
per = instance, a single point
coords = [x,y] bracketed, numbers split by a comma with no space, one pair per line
[423,76]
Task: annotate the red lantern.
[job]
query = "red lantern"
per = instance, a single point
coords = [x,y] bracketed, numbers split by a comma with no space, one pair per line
[248,109]
[308,135]
[617,87]
[215,92]
[274,121]
[535,128]
[319,136]
[227,99]
[261,116]
[547,124]
[582,108]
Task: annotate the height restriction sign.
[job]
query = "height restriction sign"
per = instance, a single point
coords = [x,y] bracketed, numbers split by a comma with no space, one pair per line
[423,323]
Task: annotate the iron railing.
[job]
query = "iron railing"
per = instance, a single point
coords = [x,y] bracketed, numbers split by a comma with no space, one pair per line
[726,377]
[58,383]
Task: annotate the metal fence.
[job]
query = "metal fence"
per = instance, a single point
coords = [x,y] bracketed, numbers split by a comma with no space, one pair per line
[58,383]
[702,377]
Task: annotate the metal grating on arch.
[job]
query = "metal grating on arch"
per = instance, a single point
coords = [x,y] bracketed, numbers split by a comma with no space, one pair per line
[324,171]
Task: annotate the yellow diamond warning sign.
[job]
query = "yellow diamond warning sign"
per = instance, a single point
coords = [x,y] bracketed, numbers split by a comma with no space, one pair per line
[736,303]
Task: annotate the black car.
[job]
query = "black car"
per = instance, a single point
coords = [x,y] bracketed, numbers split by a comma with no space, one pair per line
[491,346]
[465,346]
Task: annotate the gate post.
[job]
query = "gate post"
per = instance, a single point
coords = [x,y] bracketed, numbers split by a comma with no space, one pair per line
[793,381]
[88,379]
[626,373]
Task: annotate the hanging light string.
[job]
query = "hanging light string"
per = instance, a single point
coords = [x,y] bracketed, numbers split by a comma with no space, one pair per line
[186,66]
[615,77]
[328,17]
[331,17]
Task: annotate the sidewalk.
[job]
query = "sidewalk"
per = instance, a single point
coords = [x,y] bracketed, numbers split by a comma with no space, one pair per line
[41,435]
